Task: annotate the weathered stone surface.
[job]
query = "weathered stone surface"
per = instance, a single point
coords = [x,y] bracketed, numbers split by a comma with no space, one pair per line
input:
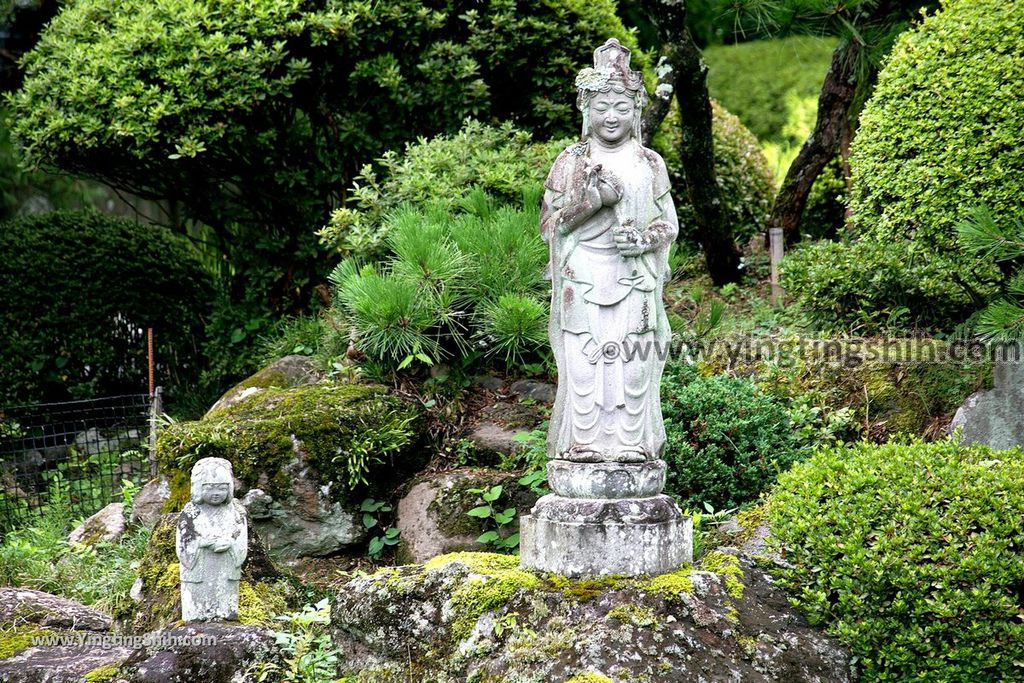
[993,417]
[211,541]
[533,390]
[207,653]
[491,438]
[303,447]
[432,515]
[150,500]
[578,537]
[606,480]
[474,616]
[284,373]
[309,524]
[20,606]
[61,663]
[106,525]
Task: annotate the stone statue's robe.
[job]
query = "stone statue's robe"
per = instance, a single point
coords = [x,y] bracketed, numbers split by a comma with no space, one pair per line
[608,326]
[210,579]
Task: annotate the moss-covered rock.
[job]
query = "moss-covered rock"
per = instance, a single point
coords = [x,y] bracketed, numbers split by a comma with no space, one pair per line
[479,617]
[284,373]
[265,591]
[313,452]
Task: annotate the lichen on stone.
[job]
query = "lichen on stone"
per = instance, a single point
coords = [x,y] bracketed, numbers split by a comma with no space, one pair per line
[15,639]
[589,677]
[634,615]
[728,567]
[103,674]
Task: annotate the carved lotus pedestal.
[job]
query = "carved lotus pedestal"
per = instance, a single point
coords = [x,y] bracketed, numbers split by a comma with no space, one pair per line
[606,519]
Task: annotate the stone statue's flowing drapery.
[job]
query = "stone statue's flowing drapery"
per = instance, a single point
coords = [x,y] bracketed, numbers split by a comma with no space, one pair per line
[608,326]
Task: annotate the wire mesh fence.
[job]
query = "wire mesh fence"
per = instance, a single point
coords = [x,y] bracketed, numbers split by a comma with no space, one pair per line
[77,454]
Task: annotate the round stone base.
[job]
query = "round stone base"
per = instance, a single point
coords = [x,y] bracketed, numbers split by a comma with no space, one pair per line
[600,540]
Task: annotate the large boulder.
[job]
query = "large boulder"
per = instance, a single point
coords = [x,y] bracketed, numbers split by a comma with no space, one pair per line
[21,606]
[107,525]
[313,451]
[150,500]
[284,373]
[64,664]
[993,417]
[433,515]
[476,616]
[211,653]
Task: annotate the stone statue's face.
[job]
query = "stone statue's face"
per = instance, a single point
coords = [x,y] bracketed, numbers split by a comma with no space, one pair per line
[216,493]
[611,117]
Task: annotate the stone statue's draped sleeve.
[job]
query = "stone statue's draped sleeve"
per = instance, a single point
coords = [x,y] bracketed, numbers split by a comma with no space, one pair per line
[187,539]
[239,542]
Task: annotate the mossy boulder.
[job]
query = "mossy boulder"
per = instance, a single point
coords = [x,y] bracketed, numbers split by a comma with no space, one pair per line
[480,618]
[284,373]
[307,456]
[264,592]
[433,515]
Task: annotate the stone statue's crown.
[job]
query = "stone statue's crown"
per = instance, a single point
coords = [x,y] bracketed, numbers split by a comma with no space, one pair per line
[611,67]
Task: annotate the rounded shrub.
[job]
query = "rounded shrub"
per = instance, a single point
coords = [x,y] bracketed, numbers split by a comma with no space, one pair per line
[501,160]
[744,177]
[79,290]
[911,553]
[941,133]
[870,287]
[726,441]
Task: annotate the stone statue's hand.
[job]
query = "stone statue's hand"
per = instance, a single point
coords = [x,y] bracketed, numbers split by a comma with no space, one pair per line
[592,191]
[610,188]
[221,545]
[628,241]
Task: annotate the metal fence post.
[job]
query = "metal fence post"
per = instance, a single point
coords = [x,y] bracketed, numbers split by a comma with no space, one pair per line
[155,408]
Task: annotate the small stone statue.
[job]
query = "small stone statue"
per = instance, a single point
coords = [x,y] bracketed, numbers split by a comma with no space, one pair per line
[212,541]
[609,220]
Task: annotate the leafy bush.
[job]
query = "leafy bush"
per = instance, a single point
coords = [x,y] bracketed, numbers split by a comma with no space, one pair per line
[911,554]
[453,281]
[79,291]
[743,174]
[502,160]
[762,81]
[256,115]
[726,440]
[870,288]
[941,134]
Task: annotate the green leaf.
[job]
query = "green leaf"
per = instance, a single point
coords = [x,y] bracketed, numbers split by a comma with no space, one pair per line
[369,521]
[488,537]
[392,532]
[483,512]
[493,494]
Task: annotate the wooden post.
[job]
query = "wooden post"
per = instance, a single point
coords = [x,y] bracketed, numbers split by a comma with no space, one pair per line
[777,248]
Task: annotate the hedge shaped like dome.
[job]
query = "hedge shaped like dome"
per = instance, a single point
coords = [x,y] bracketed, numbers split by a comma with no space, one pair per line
[942,131]
[79,290]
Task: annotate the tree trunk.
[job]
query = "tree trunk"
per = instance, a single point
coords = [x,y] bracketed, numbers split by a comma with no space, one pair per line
[687,75]
[837,95]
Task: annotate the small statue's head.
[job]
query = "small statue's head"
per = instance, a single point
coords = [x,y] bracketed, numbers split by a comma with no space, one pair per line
[611,96]
[213,482]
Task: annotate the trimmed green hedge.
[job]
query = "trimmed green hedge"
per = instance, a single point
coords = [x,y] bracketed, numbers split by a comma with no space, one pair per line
[79,290]
[870,287]
[726,441]
[911,553]
[942,133]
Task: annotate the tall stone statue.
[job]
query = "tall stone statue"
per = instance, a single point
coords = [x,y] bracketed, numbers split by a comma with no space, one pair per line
[212,540]
[609,220]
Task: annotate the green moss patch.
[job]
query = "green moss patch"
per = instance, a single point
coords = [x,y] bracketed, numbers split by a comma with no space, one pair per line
[14,639]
